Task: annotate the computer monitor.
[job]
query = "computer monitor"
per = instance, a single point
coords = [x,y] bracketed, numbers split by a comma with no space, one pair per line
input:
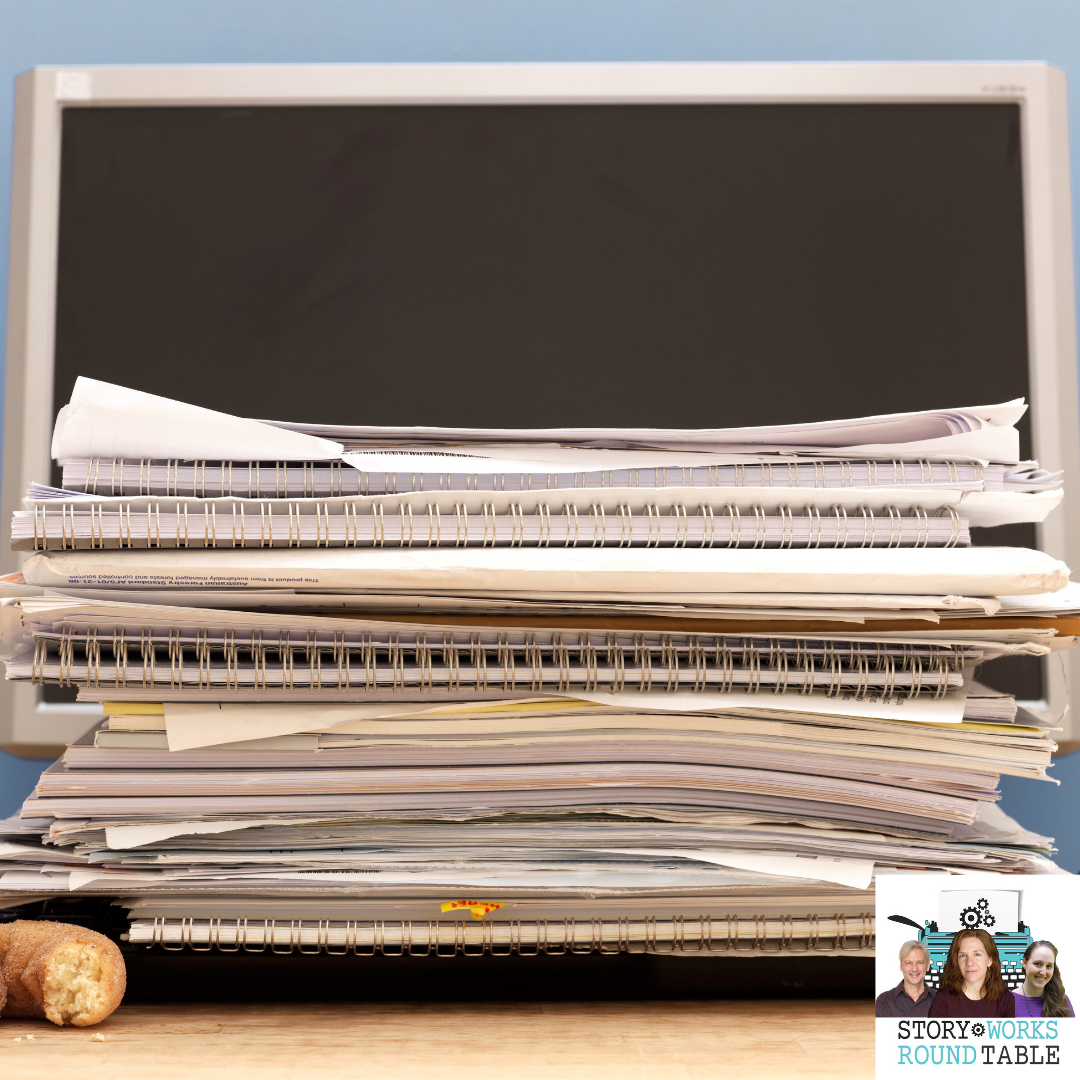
[539,245]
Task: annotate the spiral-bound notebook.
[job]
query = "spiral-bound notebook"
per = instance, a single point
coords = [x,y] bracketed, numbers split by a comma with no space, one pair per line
[115,651]
[816,920]
[848,932]
[80,523]
[434,472]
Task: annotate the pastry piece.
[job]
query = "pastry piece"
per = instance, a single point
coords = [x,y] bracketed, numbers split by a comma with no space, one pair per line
[62,973]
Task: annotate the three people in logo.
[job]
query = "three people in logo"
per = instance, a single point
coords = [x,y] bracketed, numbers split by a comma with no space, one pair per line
[971,983]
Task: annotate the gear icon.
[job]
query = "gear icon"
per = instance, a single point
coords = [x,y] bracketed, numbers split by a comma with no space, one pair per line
[988,920]
[970,918]
[983,904]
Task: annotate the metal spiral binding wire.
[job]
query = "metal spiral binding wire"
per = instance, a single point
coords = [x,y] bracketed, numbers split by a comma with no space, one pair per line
[279,479]
[188,657]
[950,512]
[505,937]
[291,532]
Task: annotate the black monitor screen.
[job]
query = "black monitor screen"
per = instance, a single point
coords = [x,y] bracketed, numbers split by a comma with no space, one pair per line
[645,265]
[668,265]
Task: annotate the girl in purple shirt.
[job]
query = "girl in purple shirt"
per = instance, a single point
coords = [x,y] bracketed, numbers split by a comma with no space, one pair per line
[1043,993]
[971,983]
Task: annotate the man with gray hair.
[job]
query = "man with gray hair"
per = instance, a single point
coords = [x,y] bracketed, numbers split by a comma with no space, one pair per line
[910,997]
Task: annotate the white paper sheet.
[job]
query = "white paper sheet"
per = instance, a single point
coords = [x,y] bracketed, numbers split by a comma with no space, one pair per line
[966,431]
[573,574]
[924,710]
[1065,601]
[192,725]
[985,509]
[189,725]
[106,421]
[79,879]
[122,837]
[196,724]
[855,873]
[24,853]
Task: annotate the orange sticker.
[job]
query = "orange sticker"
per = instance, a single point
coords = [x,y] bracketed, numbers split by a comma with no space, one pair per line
[477,908]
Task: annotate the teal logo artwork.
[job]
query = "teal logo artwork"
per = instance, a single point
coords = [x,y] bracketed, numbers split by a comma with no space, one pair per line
[995,912]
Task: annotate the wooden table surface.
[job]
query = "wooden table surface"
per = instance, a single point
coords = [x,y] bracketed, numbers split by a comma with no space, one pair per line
[560,1041]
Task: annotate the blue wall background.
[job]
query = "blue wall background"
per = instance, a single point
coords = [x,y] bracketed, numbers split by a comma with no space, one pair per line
[77,32]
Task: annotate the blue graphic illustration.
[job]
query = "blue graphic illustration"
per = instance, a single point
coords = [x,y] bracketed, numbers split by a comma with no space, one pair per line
[976,915]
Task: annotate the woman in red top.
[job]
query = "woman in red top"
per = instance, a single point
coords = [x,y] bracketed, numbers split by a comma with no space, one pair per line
[971,983]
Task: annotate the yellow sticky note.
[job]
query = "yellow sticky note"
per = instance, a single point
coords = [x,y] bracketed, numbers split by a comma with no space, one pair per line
[477,908]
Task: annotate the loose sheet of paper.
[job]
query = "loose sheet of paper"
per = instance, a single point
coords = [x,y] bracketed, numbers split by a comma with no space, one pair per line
[564,573]
[855,873]
[926,710]
[106,421]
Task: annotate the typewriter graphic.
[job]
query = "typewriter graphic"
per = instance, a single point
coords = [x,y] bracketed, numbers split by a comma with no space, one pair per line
[996,912]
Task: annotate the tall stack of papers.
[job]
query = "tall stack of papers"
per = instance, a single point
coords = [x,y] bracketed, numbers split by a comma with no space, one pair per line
[366,687]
